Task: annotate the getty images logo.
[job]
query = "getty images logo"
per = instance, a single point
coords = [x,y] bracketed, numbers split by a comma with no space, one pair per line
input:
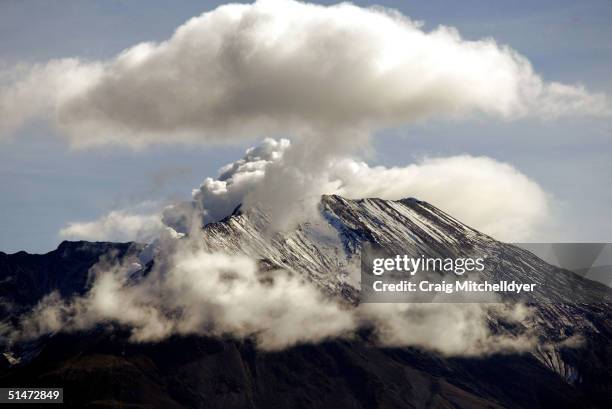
[412,265]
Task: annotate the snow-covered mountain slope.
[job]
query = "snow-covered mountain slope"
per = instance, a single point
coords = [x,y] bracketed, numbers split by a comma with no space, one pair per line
[326,251]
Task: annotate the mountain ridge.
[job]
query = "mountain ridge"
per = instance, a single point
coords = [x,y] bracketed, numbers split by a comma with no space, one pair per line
[326,252]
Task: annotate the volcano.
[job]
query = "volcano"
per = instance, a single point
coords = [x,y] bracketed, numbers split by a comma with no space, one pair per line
[102,368]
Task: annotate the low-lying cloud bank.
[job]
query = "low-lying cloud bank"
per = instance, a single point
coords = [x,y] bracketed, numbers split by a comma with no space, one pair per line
[195,292]
[191,291]
[281,66]
[141,223]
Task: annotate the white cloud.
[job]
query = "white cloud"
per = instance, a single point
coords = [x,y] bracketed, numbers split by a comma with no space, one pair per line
[490,196]
[37,91]
[483,193]
[243,71]
[452,329]
[118,225]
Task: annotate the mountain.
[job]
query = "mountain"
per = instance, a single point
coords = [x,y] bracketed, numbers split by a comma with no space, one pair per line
[100,368]
[26,278]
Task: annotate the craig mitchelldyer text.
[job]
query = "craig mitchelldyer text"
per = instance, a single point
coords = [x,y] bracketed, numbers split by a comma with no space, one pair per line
[452,287]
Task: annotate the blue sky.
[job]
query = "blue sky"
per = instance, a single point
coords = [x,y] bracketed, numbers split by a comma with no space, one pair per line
[44,183]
